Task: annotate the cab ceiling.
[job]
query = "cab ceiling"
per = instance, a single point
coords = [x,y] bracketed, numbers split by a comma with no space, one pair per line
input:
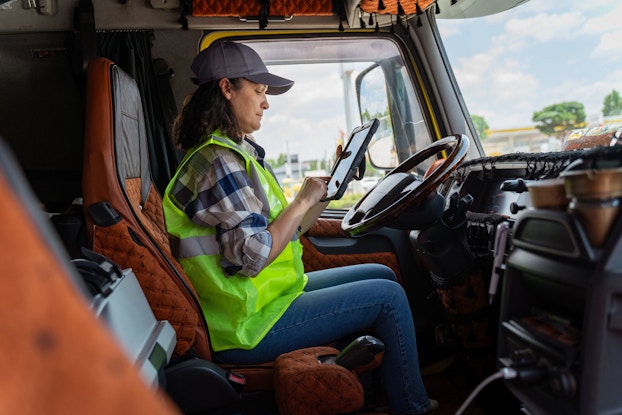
[58,15]
[287,8]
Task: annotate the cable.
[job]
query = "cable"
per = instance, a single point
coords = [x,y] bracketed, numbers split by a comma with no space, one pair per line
[505,373]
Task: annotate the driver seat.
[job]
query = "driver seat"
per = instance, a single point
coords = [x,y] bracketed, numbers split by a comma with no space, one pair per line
[124,216]
[122,206]
[125,223]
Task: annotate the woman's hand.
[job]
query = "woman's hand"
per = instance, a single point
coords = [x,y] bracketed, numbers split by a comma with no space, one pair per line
[300,214]
[312,191]
[289,221]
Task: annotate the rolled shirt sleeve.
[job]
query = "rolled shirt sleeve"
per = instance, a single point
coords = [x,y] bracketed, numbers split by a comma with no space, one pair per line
[217,191]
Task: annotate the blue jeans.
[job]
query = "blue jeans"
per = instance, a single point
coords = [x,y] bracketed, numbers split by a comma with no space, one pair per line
[339,302]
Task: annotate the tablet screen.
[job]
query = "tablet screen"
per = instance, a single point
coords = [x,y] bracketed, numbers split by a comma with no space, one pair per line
[349,160]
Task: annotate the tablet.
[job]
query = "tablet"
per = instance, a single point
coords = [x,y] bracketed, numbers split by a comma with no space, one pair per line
[351,157]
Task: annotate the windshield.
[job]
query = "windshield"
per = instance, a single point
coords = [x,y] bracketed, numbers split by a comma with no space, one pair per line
[540,77]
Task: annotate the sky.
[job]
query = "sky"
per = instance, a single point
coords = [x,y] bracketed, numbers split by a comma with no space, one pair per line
[306,120]
[544,52]
[507,65]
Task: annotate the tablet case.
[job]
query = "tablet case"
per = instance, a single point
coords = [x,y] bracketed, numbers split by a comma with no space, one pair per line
[358,162]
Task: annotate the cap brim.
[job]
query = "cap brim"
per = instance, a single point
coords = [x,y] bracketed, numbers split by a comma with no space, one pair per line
[276,84]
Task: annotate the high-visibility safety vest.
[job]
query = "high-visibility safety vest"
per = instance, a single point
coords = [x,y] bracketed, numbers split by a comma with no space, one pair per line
[239,310]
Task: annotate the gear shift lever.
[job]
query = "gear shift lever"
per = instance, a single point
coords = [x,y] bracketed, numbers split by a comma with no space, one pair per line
[362,354]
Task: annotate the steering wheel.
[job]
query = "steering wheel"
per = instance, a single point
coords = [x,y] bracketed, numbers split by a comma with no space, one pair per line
[401,199]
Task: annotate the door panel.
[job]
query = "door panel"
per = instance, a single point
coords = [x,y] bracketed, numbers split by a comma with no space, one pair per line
[326,245]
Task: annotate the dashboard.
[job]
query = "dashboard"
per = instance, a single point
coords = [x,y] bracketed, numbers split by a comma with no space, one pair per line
[498,184]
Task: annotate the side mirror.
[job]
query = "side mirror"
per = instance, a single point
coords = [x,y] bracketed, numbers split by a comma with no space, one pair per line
[382,154]
[371,88]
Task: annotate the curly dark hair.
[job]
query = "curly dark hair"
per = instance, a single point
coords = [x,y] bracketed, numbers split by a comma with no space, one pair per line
[203,112]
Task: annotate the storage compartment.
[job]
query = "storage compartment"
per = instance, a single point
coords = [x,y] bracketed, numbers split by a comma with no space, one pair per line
[559,314]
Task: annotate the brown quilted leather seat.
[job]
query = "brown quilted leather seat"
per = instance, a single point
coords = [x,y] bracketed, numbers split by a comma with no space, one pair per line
[123,208]
[305,385]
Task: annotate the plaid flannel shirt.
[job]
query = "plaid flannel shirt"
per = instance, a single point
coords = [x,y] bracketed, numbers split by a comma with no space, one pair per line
[214,189]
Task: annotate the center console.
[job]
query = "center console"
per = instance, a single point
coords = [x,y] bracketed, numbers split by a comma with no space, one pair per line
[561,316]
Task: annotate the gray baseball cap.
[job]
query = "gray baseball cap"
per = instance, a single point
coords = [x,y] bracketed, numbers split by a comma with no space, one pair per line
[228,59]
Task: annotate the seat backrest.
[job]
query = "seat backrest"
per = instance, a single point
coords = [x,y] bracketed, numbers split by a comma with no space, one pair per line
[56,356]
[123,209]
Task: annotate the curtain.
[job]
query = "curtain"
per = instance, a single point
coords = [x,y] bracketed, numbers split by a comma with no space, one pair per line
[131,51]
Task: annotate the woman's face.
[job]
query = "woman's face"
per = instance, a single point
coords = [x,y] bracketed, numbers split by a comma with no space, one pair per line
[248,103]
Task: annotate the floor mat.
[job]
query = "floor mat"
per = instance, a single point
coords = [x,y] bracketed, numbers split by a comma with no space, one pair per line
[452,384]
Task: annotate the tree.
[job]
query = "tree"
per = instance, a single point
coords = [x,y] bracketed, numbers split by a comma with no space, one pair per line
[481,126]
[612,104]
[281,160]
[559,119]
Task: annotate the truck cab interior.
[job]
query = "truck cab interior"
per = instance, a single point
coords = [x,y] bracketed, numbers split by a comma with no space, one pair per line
[510,262]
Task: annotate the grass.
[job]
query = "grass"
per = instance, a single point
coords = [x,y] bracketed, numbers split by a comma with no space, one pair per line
[346,202]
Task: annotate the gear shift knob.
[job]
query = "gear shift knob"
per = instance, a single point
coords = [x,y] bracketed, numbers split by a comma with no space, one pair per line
[362,354]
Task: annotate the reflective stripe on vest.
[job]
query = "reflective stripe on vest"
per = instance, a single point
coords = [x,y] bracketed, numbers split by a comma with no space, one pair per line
[239,310]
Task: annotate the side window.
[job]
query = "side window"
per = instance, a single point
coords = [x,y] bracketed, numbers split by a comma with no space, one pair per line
[374,103]
[339,85]
[415,126]
[386,92]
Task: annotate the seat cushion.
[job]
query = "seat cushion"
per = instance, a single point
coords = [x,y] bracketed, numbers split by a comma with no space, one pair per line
[308,382]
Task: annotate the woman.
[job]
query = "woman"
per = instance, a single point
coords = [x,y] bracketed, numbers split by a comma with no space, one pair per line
[238,238]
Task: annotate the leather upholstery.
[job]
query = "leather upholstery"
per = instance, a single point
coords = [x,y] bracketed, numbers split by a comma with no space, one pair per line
[331,228]
[253,8]
[393,6]
[116,171]
[304,385]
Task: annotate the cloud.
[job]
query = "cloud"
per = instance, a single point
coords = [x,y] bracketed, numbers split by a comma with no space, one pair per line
[546,27]
[517,62]
[307,136]
[471,70]
[496,86]
[609,46]
[448,31]
[592,93]
[511,85]
[306,120]
[609,21]
[300,133]
[508,66]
